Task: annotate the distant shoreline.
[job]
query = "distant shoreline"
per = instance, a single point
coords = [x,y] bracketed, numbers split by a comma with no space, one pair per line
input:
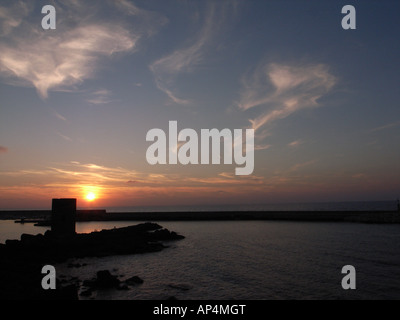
[306,216]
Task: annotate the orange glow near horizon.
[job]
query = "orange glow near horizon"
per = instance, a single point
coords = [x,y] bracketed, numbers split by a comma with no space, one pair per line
[171,191]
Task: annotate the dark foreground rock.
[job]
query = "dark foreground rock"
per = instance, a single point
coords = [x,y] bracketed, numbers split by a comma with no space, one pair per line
[105,280]
[21,261]
[134,280]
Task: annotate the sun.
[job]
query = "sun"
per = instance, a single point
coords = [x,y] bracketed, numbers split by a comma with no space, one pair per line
[90,196]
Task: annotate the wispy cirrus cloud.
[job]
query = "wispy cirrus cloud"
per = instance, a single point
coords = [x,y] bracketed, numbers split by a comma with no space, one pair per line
[229,180]
[296,143]
[65,57]
[55,62]
[77,174]
[128,7]
[386,126]
[150,21]
[284,90]
[66,138]
[59,116]
[12,16]
[100,97]
[298,166]
[187,58]
[260,147]
[70,179]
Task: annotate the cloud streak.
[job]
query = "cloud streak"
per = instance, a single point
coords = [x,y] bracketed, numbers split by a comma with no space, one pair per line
[63,61]
[296,143]
[66,138]
[284,90]
[298,166]
[100,97]
[385,127]
[63,58]
[12,16]
[187,58]
[76,174]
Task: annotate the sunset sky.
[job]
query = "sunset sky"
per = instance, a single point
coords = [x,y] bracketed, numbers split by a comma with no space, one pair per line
[77,102]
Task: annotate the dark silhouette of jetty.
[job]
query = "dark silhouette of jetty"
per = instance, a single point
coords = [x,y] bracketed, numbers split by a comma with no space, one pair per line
[43,218]
[21,260]
[50,218]
[306,216]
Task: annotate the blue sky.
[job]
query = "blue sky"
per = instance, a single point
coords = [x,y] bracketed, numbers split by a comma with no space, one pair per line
[76,102]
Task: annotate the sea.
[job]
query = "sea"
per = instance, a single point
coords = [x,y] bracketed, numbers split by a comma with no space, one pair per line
[246,260]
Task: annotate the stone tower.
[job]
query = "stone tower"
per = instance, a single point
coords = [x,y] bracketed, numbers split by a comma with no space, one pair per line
[63,216]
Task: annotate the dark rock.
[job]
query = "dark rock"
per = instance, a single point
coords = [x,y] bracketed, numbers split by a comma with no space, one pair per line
[13,244]
[105,280]
[86,293]
[134,280]
[27,238]
[89,283]
[164,234]
[123,287]
[69,292]
[142,238]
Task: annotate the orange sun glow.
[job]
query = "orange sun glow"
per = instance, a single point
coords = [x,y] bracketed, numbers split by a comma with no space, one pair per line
[90,196]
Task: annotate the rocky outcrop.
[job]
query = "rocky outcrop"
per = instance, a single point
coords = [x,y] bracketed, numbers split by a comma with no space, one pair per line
[105,280]
[21,261]
[134,281]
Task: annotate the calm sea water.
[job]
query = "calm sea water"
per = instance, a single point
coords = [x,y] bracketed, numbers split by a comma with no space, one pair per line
[250,260]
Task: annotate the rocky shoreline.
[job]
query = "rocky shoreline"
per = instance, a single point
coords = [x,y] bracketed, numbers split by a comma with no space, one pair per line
[21,261]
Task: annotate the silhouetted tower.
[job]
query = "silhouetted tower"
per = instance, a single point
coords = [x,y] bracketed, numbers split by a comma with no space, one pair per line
[63,216]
